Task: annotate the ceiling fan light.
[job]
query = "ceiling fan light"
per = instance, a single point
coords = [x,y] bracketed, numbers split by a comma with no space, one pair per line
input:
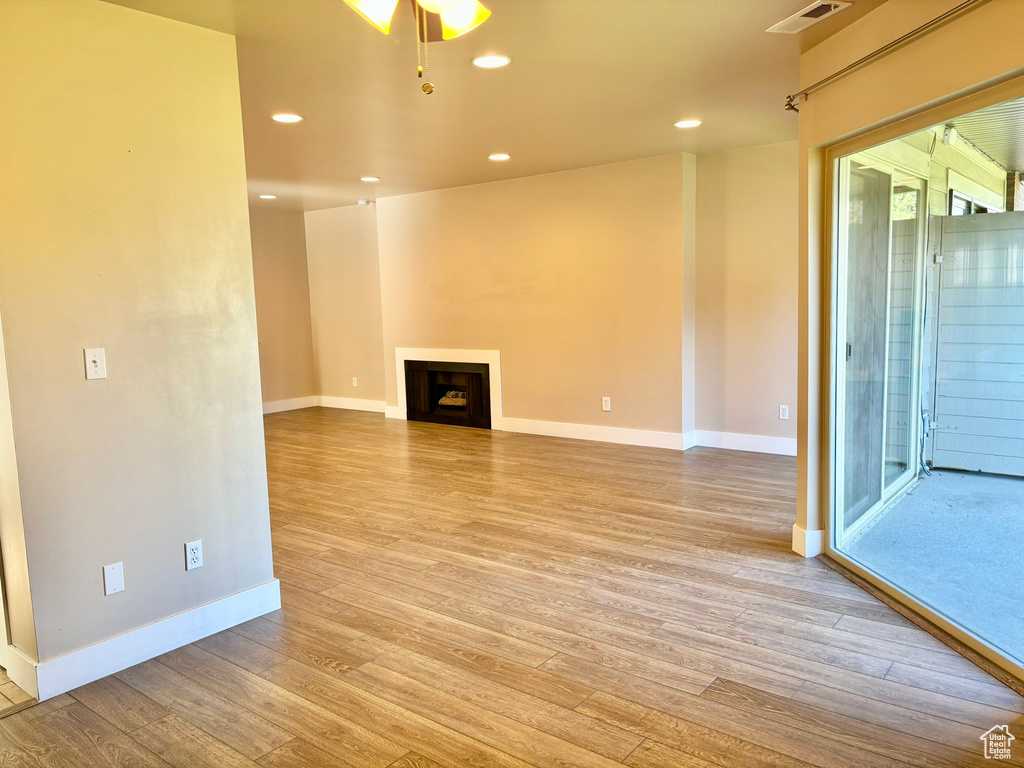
[378,12]
[438,6]
[463,18]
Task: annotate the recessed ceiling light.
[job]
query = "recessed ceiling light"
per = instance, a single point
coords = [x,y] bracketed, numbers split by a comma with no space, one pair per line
[287,117]
[687,123]
[499,157]
[268,197]
[492,61]
[370,179]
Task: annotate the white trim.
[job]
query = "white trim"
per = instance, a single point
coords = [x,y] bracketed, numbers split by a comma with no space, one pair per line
[78,668]
[783,446]
[294,404]
[489,357]
[642,437]
[688,353]
[352,404]
[22,671]
[808,543]
[323,401]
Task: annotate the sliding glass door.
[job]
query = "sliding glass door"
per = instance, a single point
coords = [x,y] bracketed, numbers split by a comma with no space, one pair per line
[925,353]
[881,219]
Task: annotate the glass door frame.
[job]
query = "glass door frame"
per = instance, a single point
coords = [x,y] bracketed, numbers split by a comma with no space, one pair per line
[889,492]
[826,208]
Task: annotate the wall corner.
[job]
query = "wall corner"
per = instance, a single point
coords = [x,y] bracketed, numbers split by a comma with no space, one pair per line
[808,543]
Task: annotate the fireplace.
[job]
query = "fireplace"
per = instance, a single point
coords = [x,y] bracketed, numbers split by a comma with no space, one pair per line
[448,393]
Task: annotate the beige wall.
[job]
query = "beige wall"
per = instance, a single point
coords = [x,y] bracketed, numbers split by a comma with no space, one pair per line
[344,291]
[747,290]
[575,277]
[282,303]
[124,225]
[977,50]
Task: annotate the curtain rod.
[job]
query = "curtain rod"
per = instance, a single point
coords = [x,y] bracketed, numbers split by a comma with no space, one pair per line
[793,100]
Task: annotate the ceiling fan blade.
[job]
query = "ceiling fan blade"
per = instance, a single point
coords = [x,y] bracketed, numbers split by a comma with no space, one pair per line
[465,17]
[447,25]
[378,12]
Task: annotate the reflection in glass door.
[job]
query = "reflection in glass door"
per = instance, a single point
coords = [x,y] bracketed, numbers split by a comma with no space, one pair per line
[881,221]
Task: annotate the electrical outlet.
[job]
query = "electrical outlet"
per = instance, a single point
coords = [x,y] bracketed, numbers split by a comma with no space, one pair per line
[113,579]
[784,412]
[355,382]
[194,555]
[95,364]
[606,403]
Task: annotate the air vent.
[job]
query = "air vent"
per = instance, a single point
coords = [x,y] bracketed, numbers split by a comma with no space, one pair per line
[812,14]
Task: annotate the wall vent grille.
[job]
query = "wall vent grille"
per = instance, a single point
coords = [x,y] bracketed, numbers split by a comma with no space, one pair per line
[812,14]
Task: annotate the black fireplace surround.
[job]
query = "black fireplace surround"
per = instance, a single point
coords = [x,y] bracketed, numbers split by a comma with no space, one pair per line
[448,393]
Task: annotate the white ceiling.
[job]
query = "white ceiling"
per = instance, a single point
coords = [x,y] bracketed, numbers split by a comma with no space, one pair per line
[591,82]
[998,131]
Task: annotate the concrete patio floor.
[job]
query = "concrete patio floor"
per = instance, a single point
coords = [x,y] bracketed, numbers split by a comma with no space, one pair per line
[956,542]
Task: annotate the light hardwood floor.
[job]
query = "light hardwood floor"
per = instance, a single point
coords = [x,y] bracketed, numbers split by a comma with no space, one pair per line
[12,698]
[460,597]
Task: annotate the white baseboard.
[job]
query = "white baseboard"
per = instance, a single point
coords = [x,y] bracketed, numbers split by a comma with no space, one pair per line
[643,437]
[22,670]
[783,446]
[352,404]
[78,668]
[672,440]
[313,401]
[808,543]
[277,406]
[619,435]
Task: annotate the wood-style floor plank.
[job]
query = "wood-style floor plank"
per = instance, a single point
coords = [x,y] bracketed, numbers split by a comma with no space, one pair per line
[786,738]
[225,719]
[242,651]
[699,742]
[181,744]
[299,754]
[456,597]
[12,698]
[119,704]
[567,724]
[886,741]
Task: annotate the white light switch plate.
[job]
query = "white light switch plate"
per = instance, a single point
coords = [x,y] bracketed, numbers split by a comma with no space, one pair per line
[606,403]
[95,364]
[113,579]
